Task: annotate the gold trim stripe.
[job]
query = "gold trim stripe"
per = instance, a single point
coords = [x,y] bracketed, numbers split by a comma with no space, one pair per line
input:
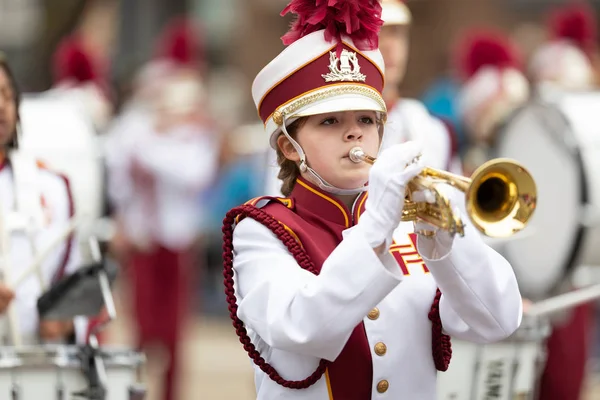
[335,203]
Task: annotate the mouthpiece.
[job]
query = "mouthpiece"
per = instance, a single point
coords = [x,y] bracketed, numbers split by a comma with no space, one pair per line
[357,155]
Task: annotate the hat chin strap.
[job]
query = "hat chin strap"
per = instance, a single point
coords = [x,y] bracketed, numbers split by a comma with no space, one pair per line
[314,177]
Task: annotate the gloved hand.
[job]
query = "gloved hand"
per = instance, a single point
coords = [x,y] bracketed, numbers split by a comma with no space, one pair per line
[395,167]
[433,243]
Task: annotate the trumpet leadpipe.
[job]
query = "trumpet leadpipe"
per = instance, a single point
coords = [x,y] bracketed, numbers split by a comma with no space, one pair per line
[357,155]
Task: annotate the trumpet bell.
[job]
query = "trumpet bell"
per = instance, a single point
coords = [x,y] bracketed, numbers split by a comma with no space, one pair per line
[501,198]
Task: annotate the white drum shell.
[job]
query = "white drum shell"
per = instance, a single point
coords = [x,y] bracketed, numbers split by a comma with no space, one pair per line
[42,372]
[506,370]
[559,143]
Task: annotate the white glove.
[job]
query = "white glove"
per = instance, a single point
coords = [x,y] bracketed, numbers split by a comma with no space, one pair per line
[433,243]
[395,167]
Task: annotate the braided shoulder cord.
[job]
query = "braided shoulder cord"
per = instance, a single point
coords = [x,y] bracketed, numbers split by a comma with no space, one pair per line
[303,260]
[440,343]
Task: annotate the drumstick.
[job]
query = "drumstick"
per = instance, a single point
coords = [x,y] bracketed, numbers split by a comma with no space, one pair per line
[34,252]
[564,301]
[37,263]
[11,317]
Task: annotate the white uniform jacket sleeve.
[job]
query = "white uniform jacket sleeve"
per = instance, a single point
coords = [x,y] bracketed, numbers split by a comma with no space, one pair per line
[293,310]
[481,301]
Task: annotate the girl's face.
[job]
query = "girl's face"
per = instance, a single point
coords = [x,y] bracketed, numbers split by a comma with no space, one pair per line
[327,139]
[8,109]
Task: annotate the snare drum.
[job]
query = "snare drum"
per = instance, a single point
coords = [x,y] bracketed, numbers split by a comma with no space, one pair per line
[558,141]
[55,373]
[506,370]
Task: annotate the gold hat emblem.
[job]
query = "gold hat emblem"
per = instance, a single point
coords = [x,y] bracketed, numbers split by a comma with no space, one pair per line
[344,68]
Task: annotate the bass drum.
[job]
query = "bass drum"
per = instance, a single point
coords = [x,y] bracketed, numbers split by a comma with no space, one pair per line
[559,143]
[57,131]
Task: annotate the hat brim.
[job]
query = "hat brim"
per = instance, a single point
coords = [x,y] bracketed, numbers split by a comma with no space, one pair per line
[395,14]
[346,102]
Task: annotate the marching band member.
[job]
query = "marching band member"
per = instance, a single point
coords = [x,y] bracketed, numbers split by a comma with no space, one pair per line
[80,75]
[493,87]
[566,60]
[331,295]
[565,64]
[408,119]
[157,170]
[36,207]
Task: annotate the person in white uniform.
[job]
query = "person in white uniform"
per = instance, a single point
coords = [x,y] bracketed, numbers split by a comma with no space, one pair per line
[566,60]
[493,87]
[334,297]
[564,64]
[408,119]
[36,208]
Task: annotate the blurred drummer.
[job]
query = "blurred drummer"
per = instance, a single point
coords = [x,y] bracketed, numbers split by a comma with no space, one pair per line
[493,87]
[566,63]
[36,206]
[81,75]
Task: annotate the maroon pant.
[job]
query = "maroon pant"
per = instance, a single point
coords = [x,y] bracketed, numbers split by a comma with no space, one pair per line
[161,282]
[568,351]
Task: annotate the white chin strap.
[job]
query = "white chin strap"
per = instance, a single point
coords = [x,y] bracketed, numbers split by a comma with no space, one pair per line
[315,178]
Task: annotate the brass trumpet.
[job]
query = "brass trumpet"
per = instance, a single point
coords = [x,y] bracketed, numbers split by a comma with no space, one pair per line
[501,197]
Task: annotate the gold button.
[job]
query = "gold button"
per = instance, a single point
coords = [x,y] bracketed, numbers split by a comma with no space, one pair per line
[373,314]
[383,386]
[380,348]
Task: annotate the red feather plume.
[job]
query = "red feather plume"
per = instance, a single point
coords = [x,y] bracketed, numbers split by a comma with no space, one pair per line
[574,22]
[72,62]
[358,19]
[181,42]
[485,48]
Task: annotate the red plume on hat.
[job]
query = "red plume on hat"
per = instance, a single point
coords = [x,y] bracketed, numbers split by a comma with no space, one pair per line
[483,48]
[576,23]
[181,42]
[73,63]
[358,19]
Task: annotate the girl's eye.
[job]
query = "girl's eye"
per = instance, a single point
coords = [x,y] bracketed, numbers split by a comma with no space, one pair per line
[366,120]
[329,121]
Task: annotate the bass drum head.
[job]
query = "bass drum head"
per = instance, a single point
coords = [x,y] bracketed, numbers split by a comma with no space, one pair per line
[542,254]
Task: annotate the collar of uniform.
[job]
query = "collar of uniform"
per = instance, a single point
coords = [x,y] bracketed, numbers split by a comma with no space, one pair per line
[323,204]
[360,206]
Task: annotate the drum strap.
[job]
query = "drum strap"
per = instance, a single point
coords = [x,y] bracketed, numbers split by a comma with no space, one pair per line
[27,190]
